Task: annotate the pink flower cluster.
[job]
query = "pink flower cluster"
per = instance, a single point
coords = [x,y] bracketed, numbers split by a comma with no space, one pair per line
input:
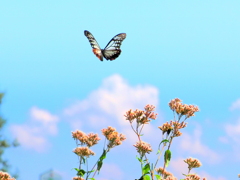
[183,109]
[83,151]
[113,137]
[5,176]
[143,147]
[173,125]
[193,163]
[90,139]
[166,175]
[77,178]
[142,117]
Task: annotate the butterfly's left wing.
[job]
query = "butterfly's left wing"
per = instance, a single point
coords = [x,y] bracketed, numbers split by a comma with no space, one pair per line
[96,48]
[112,49]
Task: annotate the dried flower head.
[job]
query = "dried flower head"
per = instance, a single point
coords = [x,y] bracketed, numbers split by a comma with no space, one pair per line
[78,178]
[79,135]
[170,178]
[182,109]
[166,175]
[173,127]
[141,117]
[90,139]
[192,163]
[149,108]
[143,147]
[83,151]
[192,177]
[5,176]
[166,127]
[113,137]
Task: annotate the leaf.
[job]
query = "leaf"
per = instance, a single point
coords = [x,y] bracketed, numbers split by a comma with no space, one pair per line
[104,155]
[100,162]
[91,171]
[80,172]
[158,176]
[92,178]
[99,165]
[164,141]
[146,169]
[146,177]
[140,160]
[167,157]
[76,169]
[158,152]
[84,160]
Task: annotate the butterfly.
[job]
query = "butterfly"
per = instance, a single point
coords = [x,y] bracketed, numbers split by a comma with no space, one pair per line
[112,49]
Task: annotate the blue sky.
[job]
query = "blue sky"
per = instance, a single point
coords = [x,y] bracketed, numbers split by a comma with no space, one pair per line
[54,84]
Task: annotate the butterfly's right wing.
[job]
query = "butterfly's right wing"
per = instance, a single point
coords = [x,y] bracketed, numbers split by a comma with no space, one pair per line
[96,48]
[112,49]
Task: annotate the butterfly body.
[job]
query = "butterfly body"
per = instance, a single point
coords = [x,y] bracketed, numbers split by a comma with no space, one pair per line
[112,49]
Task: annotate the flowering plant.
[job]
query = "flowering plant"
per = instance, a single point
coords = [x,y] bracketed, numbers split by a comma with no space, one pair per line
[5,176]
[138,119]
[86,141]
[170,130]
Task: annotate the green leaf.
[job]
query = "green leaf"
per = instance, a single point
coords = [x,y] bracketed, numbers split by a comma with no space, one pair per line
[146,169]
[158,176]
[158,152]
[140,160]
[146,177]
[99,165]
[92,178]
[80,172]
[84,160]
[164,141]
[104,155]
[167,157]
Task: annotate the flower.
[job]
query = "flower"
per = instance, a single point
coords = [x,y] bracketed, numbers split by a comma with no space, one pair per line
[83,151]
[192,163]
[173,126]
[149,108]
[114,138]
[143,147]
[141,117]
[183,109]
[78,178]
[79,135]
[166,175]
[90,139]
[192,177]
[5,176]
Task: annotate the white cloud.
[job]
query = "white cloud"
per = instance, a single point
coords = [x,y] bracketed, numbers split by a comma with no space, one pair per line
[108,104]
[193,145]
[235,105]
[33,134]
[48,121]
[29,137]
[233,131]
[178,167]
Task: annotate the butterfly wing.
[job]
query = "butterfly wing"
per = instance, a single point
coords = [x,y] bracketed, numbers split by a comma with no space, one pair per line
[96,48]
[112,49]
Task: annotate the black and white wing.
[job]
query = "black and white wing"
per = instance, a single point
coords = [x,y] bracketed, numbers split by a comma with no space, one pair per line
[96,48]
[112,49]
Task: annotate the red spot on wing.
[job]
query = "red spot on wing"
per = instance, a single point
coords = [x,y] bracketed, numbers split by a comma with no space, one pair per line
[98,53]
